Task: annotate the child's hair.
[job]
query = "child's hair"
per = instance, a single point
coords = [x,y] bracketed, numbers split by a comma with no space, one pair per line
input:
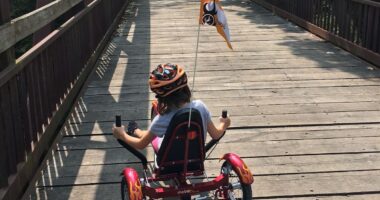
[169,82]
[174,100]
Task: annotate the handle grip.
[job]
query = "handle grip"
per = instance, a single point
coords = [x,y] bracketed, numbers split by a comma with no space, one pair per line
[224,113]
[118,121]
[213,141]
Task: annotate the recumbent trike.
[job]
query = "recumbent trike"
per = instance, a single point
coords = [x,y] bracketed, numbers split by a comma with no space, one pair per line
[176,163]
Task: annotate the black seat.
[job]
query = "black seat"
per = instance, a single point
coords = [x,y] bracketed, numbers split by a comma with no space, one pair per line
[182,149]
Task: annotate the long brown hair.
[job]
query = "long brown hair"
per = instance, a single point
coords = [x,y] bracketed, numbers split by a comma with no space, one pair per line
[176,99]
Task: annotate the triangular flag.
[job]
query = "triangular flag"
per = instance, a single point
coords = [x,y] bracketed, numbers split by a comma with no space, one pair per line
[211,13]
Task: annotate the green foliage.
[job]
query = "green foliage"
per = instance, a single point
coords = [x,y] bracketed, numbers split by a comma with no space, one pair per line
[20,7]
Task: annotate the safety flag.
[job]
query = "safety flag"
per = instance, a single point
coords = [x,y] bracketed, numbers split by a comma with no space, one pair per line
[211,13]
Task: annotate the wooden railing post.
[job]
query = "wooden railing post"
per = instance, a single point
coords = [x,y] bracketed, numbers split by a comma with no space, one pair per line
[6,58]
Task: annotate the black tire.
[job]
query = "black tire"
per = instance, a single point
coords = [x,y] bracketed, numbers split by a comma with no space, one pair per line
[244,191]
[124,189]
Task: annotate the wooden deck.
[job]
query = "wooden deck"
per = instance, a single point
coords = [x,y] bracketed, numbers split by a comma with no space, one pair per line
[305,114]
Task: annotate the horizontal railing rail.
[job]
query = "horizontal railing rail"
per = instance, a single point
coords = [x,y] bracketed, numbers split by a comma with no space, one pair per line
[351,24]
[21,27]
[38,90]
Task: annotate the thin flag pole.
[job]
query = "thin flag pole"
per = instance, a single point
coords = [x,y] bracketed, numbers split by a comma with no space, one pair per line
[195,69]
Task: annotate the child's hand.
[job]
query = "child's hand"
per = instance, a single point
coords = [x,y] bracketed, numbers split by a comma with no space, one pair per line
[226,122]
[132,126]
[118,132]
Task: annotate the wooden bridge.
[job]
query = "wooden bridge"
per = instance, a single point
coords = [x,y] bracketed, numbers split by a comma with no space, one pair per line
[305,112]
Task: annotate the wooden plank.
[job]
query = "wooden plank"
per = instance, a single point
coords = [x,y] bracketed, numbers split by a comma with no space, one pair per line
[76,128]
[17,121]
[290,61]
[186,37]
[25,112]
[3,147]
[19,28]
[274,92]
[118,80]
[6,58]
[296,147]
[248,86]
[276,70]
[255,119]
[108,191]
[277,67]
[211,48]
[268,166]
[247,110]
[106,140]
[235,101]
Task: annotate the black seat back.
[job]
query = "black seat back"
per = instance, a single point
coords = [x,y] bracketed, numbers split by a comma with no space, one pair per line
[182,149]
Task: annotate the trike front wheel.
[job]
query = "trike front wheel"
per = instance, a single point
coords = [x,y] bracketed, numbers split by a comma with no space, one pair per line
[236,189]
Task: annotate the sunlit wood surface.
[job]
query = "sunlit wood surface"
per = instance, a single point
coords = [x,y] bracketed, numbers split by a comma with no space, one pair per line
[305,114]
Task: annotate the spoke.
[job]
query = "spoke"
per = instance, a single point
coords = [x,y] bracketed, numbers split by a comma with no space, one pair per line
[236,185]
[231,195]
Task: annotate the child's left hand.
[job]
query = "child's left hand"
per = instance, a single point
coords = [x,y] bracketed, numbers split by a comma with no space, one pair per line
[118,132]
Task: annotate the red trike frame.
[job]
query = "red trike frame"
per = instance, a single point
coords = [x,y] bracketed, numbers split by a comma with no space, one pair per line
[182,188]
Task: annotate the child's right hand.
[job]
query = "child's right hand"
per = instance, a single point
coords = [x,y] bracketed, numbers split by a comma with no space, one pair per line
[226,122]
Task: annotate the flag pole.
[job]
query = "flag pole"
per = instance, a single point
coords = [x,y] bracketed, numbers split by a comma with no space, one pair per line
[195,69]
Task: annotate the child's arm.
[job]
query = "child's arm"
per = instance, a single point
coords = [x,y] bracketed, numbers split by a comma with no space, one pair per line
[217,132]
[144,137]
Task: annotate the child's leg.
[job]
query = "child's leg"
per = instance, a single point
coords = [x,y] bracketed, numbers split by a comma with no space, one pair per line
[155,144]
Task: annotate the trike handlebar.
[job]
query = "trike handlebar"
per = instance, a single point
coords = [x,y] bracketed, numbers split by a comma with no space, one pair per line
[139,155]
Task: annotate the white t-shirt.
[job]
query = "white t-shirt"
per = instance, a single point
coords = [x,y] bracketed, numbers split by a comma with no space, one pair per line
[160,123]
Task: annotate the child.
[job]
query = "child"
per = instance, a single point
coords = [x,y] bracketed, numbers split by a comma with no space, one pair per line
[169,83]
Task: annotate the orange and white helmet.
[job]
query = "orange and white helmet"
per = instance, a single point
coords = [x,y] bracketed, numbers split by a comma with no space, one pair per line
[166,79]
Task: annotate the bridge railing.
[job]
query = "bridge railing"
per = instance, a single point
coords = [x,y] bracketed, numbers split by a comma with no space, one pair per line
[351,24]
[39,88]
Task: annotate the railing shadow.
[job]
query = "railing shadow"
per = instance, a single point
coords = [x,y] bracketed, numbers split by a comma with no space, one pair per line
[88,159]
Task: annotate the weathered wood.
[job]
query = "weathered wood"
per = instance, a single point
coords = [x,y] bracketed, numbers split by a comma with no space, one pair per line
[270,187]
[19,28]
[6,58]
[240,82]
[278,85]
[305,114]
[4,169]
[232,102]
[253,110]
[106,140]
[323,32]
[268,166]
[38,76]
